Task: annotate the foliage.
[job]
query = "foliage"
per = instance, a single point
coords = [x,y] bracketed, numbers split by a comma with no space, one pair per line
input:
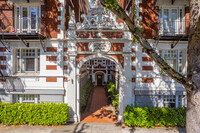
[85,93]
[112,4]
[34,114]
[154,116]
[113,93]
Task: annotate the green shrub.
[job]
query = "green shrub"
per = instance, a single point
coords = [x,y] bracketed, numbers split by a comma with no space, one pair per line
[154,116]
[34,114]
[85,93]
[113,93]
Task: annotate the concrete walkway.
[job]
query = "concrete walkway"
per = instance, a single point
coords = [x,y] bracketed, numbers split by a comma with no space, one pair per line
[97,128]
[38,129]
[86,128]
[99,111]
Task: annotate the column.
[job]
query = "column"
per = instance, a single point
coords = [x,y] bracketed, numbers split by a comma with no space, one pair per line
[93,75]
[126,82]
[106,76]
[71,90]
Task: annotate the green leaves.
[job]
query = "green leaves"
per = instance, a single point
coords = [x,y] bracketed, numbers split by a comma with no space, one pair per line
[154,116]
[85,93]
[112,4]
[34,114]
[113,93]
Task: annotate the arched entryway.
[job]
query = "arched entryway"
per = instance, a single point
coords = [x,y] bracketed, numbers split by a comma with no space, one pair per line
[99,77]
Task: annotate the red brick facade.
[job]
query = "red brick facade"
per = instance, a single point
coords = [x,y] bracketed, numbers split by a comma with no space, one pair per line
[51,58]
[51,49]
[51,79]
[147,80]
[51,67]
[147,68]
[147,59]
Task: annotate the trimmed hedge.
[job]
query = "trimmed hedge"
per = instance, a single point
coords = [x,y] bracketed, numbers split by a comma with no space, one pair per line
[154,116]
[34,114]
[85,93]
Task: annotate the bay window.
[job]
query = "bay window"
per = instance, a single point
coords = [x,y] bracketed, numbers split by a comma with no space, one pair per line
[28,60]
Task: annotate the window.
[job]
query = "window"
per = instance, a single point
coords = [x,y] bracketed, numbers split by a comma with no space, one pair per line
[92,3]
[173,101]
[169,101]
[182,101]
[171,20]
[175,58]
[27,98]
[27,19]
[28,60]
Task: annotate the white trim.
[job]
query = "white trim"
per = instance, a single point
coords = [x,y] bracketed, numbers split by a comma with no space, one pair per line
[99,56]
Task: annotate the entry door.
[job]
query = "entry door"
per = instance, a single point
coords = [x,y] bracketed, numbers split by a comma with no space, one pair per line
[99,80]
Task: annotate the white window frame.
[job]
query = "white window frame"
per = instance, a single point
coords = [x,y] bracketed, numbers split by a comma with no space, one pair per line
[20,19]
[36,57]
[27,98]
[177,58]
[181,20]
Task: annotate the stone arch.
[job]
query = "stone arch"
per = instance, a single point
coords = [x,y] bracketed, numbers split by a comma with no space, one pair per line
[79,65]
[118,64]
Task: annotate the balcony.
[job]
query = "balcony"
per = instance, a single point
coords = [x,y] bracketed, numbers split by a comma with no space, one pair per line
[29,28]
[171,30]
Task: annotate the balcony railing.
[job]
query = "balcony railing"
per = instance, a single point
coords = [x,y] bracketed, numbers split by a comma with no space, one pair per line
[21,25]
[172,28]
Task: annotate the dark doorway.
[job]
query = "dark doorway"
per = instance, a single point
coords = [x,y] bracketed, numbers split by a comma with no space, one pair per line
[99,80]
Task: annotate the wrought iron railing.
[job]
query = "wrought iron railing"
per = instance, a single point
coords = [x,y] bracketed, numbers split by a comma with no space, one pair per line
[21,25]
[171,28]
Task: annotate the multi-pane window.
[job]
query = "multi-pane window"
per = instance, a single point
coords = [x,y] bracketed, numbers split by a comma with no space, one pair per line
[175,58]
[171,20]
[173,101]
[169,101]
[27,19]
[28,60]
[27,98]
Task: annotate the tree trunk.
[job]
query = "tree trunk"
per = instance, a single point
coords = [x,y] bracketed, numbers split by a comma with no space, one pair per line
[193,112]
[193,70]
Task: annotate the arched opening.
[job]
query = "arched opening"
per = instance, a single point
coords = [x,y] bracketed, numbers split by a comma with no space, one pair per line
[99,70]
[100,79]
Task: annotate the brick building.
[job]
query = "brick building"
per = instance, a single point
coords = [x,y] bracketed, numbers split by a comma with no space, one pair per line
[50,48]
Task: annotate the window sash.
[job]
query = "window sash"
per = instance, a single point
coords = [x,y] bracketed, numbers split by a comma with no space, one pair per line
[176,57]
[24,58]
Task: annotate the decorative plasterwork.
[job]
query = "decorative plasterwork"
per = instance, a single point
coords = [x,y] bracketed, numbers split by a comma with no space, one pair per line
[99,18]
[99,46]
[61,27]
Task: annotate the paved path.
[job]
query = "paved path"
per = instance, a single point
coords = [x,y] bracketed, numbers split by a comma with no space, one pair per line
[85,128]
[99,111]
[97,128]
[70,128]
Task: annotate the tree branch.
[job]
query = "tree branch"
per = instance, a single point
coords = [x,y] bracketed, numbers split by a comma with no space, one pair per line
[146,45]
